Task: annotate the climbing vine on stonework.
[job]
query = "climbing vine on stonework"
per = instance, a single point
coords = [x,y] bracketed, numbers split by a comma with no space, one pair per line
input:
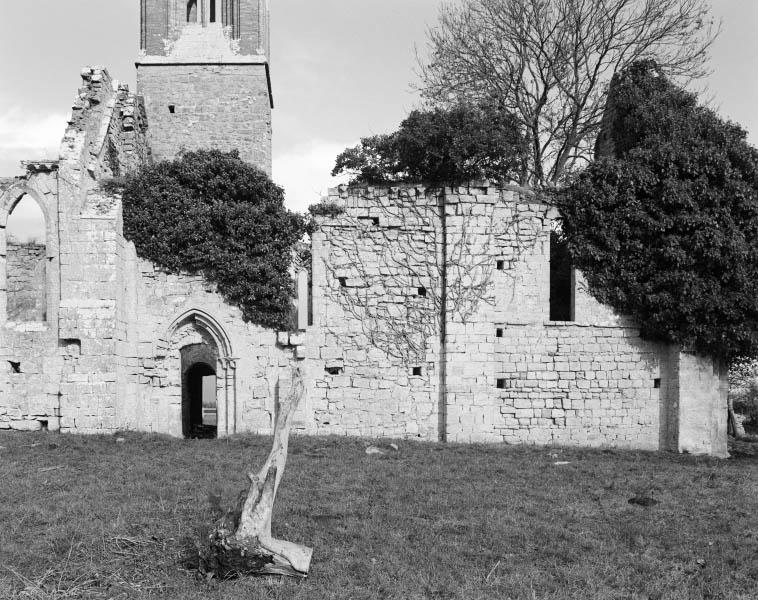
[400,272]
[209,212]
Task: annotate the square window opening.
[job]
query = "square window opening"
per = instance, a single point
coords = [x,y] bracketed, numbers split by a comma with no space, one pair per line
[15,366]
[417,371]
[172,108]
[422,291]
[499,332]
[500,265]
[657,383]
[500,384]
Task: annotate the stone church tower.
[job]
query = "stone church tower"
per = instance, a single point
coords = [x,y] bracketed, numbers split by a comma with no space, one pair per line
[203,71]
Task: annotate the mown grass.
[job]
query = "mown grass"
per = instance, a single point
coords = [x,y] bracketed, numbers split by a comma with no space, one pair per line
[90,517]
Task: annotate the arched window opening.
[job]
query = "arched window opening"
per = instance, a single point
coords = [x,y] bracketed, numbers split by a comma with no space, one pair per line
[26,263]
[199,401]
[561,280]
[212,16]
[192,11]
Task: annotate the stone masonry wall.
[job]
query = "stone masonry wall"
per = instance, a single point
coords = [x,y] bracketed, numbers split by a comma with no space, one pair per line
[26,281]
[374,348]
[30,360]
[215,106]
[492,366]
[109,355]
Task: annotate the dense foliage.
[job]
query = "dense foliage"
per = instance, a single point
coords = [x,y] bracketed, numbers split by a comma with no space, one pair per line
[665,224]
[210,212]
[440,146]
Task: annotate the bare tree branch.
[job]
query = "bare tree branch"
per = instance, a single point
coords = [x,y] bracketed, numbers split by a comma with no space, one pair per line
[550,62]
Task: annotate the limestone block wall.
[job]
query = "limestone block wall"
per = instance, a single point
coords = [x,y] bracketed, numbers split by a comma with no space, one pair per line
[26,282]
[482,360]
[30,358]
[163,313]
[375,344]
[223,106]
[105,137]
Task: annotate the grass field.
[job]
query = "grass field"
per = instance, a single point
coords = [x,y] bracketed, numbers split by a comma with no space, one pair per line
[95,518]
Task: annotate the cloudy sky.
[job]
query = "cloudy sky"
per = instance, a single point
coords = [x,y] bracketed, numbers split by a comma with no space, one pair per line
[341,69]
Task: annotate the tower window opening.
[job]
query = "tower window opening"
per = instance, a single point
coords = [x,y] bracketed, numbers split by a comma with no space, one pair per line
[192,11]
[212,16]
[561,280]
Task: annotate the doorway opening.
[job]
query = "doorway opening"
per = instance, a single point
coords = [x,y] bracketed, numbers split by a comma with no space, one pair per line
[199,402]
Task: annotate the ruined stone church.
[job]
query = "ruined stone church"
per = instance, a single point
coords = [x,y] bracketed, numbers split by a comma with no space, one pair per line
[441,314]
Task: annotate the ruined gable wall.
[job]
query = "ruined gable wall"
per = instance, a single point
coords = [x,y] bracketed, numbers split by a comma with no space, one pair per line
[105,137]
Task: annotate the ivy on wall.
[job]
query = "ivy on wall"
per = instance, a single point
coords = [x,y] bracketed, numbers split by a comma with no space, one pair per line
[208,212]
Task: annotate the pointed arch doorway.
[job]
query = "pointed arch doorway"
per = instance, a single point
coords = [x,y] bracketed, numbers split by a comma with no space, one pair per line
[199,391]
[207,375]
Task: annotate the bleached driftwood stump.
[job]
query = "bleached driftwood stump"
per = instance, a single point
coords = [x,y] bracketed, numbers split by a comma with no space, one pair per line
[241,543]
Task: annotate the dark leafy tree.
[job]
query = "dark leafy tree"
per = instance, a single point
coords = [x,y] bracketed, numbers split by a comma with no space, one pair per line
[439,147]
[665,224]
[209,212]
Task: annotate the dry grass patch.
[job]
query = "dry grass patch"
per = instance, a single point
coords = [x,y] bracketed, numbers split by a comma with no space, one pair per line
[90,517]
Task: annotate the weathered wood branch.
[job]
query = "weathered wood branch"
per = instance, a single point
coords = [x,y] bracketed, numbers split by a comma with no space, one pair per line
[241,543]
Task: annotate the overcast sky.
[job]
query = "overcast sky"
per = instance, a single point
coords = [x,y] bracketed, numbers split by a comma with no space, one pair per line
[341,69]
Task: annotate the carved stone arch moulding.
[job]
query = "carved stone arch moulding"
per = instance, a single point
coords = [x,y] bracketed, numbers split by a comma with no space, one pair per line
[213,333]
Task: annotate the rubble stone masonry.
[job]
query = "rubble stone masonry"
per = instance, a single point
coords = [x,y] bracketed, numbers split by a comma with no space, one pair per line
[26,282]
[431,318]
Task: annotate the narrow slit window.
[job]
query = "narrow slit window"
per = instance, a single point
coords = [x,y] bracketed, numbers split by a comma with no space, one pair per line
[212,16]
[561,280]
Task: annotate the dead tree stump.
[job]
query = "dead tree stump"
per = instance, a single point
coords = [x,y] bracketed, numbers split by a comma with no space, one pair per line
[241,542]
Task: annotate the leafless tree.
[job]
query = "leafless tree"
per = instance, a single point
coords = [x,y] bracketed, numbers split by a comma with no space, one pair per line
[549,62]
